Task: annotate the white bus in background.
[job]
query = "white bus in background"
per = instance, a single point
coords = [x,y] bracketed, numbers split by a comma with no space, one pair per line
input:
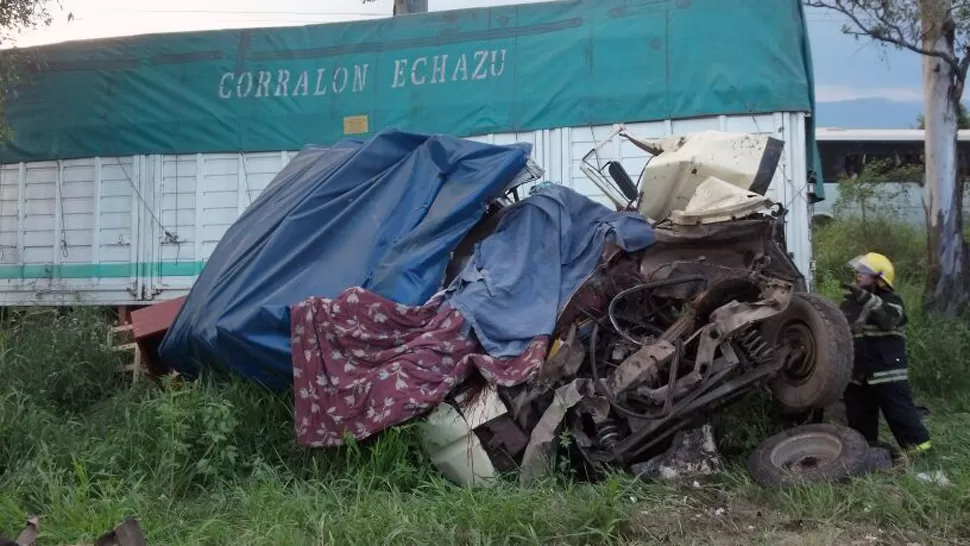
[845,152]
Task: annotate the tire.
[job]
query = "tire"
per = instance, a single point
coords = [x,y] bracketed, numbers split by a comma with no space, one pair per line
[819,377]
[809,454]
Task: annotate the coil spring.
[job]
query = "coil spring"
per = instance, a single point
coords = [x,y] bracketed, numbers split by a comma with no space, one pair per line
[608,436]
[756,347]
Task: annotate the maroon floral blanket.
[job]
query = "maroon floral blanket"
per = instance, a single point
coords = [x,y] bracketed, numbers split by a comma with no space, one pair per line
[362,363]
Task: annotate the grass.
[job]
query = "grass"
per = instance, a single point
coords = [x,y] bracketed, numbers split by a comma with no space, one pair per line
[216,463]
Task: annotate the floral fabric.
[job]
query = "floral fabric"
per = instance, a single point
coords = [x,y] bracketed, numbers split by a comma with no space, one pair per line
[362,363]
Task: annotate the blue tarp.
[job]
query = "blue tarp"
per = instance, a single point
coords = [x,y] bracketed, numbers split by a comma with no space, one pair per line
[383,214]
[524,273]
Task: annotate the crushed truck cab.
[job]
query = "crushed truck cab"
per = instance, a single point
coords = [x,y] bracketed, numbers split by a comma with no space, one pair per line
[655,343]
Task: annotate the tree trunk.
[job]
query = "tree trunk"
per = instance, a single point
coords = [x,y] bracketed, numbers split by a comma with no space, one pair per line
[406,7]
[946,289]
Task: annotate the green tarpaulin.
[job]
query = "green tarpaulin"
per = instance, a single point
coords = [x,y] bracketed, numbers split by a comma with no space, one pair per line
[510,68]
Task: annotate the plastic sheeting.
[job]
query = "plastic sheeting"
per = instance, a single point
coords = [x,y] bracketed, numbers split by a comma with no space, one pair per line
[524,273]
[383,214]
[477,71]
[362,363]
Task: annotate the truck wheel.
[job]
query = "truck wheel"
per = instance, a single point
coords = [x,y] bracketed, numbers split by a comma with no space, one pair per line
[809,454]
[819,365]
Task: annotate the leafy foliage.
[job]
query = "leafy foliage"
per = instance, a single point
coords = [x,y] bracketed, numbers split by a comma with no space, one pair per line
[872,192]
[16,17]
[67,365]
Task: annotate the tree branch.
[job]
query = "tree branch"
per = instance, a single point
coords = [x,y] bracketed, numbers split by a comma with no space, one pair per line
[872,32]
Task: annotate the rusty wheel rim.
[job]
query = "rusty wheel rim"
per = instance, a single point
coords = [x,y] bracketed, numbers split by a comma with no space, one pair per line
[798,338]
[806,452]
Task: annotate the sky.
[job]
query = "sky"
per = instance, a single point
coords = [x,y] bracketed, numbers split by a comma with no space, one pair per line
[846,69]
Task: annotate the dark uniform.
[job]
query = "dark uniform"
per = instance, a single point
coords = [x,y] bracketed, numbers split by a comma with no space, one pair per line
[880,378]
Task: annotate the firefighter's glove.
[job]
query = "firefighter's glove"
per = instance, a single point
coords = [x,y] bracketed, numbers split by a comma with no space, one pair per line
[856,293]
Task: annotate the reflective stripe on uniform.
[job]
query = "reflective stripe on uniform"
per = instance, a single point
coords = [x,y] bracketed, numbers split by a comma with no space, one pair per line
[873,302]
[871,330]
[874,332]
[925,446]
[889,376]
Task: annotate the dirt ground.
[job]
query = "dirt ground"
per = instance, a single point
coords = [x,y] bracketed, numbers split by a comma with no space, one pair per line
[717,520]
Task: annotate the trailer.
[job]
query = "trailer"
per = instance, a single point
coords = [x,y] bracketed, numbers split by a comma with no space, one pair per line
[131,157]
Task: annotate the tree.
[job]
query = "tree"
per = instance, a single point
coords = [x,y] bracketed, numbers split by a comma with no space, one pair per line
[875,193]
[17,16]
[939,30]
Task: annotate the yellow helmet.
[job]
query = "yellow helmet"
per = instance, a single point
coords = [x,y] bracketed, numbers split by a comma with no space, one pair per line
[876,265]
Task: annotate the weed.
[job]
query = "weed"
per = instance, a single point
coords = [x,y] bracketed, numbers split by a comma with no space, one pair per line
[837,243]
[937,347]
[62,360]
[217,463]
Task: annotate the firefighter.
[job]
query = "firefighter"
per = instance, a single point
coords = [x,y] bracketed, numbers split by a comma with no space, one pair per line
[880,378]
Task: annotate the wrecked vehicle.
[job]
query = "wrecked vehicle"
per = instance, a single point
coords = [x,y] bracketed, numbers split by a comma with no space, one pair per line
[408,276]
[658,341]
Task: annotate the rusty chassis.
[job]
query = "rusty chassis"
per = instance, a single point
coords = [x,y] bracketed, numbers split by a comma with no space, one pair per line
[654,343]
[657,342]
[704,360]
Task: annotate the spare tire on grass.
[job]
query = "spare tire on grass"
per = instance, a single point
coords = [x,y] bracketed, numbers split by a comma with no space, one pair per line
[820,365]
[809,454]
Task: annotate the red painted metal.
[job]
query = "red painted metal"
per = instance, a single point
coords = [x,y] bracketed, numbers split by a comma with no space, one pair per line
[149,325]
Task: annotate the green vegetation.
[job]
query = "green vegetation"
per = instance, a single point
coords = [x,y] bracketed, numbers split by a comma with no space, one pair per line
[216,463]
